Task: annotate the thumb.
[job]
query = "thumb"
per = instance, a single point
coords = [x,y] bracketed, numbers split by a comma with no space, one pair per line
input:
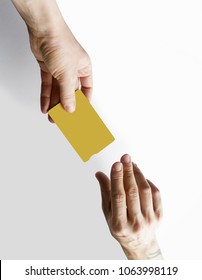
[67,84]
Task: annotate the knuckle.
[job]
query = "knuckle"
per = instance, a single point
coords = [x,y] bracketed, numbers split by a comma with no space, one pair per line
[156,193]
[116,176]
[85,71]
[146,191]
[128,172]
[128,168]
[64,77]
[132,193]
[150,218]
[58,74]
[159,214]
[119,230]
[138,226]
[46,83]
[118,197]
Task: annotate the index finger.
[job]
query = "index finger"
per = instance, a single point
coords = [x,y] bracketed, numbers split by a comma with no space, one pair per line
[87,86]
[118,197]
[131,188]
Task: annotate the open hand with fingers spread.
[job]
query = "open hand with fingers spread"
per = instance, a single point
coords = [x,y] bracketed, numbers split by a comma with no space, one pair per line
[132,207]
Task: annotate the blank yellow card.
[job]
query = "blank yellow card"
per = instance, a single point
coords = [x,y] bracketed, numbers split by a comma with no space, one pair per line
[83,128]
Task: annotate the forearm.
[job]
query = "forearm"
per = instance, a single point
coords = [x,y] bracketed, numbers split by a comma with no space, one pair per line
[145,252]
[40,16]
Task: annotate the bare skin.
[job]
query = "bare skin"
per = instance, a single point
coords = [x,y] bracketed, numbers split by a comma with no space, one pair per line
[132,208]
[64,64]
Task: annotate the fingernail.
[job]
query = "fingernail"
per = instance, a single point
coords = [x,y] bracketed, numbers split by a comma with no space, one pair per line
[126,159]
[70,107]
[117,166]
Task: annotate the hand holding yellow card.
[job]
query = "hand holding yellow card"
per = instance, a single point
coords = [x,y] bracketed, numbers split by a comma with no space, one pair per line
[83,128]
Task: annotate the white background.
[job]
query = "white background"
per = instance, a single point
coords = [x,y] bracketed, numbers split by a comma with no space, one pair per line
[147,69]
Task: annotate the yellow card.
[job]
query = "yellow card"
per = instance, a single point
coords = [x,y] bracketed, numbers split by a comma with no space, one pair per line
[83,128]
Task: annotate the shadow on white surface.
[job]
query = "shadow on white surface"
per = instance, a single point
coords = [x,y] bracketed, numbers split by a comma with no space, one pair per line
[19,73]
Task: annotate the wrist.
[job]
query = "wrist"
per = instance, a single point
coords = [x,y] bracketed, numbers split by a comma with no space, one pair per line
[41,16]
[149,251]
